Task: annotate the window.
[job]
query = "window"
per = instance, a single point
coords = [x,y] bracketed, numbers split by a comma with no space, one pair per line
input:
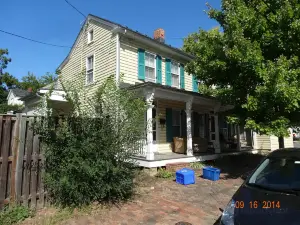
[90,36]
[175,74]
[149,67]
[90,69]
[278,174]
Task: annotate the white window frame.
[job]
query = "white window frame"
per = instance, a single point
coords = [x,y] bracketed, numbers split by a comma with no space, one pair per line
[178,64]
[89,36]
[86,68]
[146,79]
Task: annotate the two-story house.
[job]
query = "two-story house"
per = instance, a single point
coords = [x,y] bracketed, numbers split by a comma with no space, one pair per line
[156,70]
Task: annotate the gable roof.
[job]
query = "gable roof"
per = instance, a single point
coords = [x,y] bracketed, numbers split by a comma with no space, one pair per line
[118,28]
[19,92]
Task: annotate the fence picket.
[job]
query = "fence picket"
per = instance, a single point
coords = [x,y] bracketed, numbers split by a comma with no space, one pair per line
[29,145]
[5,151]
[20,158]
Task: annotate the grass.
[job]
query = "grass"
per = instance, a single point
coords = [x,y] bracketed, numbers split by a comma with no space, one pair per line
[13,214]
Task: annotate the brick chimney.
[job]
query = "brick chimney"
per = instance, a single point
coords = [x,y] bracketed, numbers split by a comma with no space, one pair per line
[159,35]
[29,89]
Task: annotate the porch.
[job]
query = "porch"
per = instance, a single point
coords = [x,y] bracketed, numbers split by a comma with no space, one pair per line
[196,121]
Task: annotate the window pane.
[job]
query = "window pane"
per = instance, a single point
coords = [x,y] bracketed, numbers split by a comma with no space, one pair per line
[149,60]
[154,135]
[175,80]
[90,63]
[91,35]
[90,77]
[150,73]
[174,68]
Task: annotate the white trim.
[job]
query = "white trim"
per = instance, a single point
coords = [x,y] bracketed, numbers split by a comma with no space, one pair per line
[86,72]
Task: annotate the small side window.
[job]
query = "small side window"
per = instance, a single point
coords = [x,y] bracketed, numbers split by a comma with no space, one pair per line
[90,36]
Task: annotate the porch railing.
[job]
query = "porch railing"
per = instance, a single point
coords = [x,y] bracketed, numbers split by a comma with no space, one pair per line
[140,148]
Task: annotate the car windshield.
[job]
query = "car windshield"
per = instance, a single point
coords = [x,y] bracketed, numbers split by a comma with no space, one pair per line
[277,174]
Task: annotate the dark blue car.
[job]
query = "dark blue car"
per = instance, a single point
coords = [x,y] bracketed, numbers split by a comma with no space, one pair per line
[270,195]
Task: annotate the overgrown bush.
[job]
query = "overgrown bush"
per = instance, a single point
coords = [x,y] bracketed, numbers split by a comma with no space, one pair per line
[88,152]
[12,215]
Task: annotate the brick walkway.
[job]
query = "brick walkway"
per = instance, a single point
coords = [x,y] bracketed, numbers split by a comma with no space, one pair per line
[169,203]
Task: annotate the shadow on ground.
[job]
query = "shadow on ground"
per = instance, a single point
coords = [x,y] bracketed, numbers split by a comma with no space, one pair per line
[236,166]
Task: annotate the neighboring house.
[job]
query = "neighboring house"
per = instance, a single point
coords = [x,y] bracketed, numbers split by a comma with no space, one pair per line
[156,70]
[34,101]
[15,95]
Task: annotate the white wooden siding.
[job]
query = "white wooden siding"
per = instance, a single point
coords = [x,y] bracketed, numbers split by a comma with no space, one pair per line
[104,49]
[274,143]
[288,141]
[263,142]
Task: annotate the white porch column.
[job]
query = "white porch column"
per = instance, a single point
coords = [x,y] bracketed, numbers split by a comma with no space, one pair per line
[217,135]
[149,125]
[189,138]
[238,137]
[254,140]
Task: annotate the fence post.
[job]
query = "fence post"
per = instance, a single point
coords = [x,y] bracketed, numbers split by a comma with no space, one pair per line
[20,156]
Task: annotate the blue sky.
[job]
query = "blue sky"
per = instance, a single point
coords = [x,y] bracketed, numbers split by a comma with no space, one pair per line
[57,23]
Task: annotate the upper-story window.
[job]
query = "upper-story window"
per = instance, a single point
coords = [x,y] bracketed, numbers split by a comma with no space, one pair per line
[90,69]
[90,36]
[175,71]
[149,67]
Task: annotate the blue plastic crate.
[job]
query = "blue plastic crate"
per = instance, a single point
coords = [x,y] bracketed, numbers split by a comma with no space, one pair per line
[185,176]
[211,173]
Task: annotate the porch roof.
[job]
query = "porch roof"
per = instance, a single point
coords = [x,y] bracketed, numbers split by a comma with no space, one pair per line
[172,93]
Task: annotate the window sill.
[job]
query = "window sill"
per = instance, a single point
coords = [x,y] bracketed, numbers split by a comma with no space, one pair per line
[91,42]
[90,84]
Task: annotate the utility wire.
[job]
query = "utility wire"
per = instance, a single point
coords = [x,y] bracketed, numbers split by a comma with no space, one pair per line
[75,8]
[40,42]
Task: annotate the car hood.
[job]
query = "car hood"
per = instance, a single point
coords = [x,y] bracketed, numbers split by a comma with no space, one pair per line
[284,208]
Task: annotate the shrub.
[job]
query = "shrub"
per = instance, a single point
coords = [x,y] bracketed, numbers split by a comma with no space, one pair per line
[163,173]
[12,215]
[89,152]
[197,165]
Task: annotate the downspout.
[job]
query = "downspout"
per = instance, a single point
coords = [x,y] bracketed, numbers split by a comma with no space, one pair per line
[117,59]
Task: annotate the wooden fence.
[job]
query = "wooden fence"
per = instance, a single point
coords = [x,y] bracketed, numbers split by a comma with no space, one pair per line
[21,162]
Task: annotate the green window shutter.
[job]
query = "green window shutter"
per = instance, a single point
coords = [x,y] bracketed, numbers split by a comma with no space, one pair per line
[168,73]
[181,76]
[169,125]
[195,84]
[158,70]
[141,62]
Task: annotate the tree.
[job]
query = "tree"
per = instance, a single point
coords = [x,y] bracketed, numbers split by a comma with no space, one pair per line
[253,60]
